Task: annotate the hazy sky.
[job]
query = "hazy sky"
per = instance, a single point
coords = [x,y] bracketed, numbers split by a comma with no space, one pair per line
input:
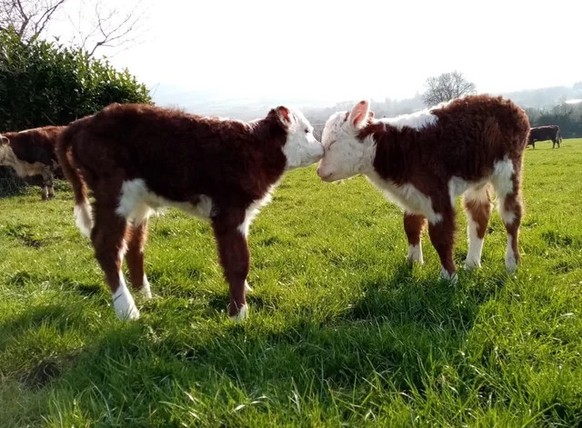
[337,50]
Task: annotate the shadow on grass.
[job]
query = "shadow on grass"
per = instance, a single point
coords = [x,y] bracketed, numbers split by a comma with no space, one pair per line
[32,333]
[219,303]
[402,298]
[397,326]
[399,334]
[31,319]
[34,281]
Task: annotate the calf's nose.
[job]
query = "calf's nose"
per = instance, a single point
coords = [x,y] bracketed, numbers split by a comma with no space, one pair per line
[322,173]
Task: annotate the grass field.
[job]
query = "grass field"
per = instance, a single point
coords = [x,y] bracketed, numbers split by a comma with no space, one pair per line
[341,331]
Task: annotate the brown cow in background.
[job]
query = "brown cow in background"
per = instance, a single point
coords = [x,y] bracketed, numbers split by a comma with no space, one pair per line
[543,133]
[32,153]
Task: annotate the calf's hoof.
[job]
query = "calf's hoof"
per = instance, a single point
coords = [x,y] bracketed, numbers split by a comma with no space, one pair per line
[241,315]
[124,305]
[471,264]
[451,277]
[128,314]
[145,291]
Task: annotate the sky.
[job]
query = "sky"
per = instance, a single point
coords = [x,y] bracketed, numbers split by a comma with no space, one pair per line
[332,51]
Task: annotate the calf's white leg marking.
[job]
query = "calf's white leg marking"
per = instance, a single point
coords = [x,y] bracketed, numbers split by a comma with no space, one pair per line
[479,195]
[243,314]
[415,254]
[501,179]
[123,302]
[473,259]
[83,218]
[510,260]
[146,290]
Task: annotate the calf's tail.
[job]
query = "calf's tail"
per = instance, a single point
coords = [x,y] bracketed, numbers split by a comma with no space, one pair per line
[65,155]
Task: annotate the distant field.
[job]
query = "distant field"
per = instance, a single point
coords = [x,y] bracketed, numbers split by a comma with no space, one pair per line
[341,332]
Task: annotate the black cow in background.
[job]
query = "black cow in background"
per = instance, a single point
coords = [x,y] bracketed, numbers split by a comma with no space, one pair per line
[542,133]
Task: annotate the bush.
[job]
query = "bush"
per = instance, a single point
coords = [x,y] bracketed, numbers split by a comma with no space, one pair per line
[44,83]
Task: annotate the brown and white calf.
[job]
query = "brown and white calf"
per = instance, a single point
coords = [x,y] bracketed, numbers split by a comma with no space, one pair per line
[422,161]
[32,153]
[137,158]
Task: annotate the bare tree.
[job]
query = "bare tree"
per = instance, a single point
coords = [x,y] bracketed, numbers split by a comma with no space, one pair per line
[446,87]
[96,24]
[29,18]
[101,26]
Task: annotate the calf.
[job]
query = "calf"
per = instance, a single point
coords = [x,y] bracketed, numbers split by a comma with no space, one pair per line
[137,158]
[422,161]
[32,153]
[542,133]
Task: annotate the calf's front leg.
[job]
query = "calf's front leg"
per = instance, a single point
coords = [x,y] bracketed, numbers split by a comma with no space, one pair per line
[413,225]
[234,257]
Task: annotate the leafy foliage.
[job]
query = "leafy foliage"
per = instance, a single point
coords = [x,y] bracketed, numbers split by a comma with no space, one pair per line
[43,83]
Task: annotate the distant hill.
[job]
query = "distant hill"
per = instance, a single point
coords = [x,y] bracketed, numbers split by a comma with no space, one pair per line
[246,108]
[215,104]
[545,97]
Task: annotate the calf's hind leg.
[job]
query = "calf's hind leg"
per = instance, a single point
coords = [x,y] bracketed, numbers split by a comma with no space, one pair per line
[137,237]
[506,182]
[478,209]
[510,209]
[108,238]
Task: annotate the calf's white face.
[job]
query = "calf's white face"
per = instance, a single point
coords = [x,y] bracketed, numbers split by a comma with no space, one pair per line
[345,155]
[301,147]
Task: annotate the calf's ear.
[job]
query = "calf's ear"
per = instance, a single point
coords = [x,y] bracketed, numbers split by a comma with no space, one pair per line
[284,115]
[4,140]
[359,114]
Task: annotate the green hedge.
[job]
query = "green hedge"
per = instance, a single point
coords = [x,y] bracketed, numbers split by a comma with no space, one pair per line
[44,83]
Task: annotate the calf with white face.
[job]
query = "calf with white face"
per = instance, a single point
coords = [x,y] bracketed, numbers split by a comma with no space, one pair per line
[422,161]
[136,158]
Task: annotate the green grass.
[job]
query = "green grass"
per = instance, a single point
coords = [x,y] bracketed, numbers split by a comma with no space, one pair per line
[341,332]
